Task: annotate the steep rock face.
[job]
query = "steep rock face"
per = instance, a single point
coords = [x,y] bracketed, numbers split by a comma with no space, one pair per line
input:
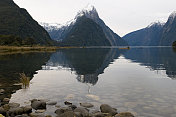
[156,34]
[149,36]
[17,21]
[169,31]
[90,12]
[86,32]
[114,39]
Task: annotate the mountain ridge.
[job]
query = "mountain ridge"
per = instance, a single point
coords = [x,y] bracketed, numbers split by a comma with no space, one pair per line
[157,34]
[18,22]
[91,13]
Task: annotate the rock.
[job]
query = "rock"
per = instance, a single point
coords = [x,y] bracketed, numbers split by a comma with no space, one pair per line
[36,115]
[27,109]
[57,105]
[51,103]
[67,103]
[2,90]
[62,110]
[16,111]
[40,111]
[87,105]
[108,109]
[38,104]
[83,111]
[2,111]
[48,116]
[124,114]
[23,115]
[68,114]
[73,107]
[33,100]
[6,100]
[14,105]
[98,114]
[6,107]
[78,114]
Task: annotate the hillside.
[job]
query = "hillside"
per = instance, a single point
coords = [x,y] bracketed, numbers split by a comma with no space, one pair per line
[18,22]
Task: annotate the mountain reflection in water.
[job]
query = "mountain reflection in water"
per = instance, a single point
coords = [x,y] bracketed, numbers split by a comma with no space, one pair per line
[157,58]
[88,63]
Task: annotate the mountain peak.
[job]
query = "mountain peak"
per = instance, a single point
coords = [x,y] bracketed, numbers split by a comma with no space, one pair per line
[156,23]
[89,11]
[172,15]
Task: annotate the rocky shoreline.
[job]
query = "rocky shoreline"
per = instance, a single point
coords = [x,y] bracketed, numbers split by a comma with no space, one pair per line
[38,107]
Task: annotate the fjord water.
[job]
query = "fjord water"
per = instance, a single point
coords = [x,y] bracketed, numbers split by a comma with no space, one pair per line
[139,80]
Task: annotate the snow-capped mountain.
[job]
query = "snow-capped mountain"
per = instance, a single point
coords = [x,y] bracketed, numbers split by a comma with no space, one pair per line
[156,34]
[155,24]
[62,31]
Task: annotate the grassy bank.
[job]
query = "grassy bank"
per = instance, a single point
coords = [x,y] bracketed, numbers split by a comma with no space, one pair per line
[16,49]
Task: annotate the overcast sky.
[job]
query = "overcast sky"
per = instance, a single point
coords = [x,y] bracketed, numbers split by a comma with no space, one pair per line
[122,16]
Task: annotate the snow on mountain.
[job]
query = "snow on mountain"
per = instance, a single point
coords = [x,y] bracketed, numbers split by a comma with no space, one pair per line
[50,26]
[157,23]
[89,11]
[173,15]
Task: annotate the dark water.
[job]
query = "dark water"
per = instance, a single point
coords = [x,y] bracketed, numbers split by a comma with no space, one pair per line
[139,80]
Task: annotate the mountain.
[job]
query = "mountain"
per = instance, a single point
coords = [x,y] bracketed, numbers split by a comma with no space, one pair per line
[85,32]
[157,34]
[169,31]
[149,36]
[17,21]
[61,34]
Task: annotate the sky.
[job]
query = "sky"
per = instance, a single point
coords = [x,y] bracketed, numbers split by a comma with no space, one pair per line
[122,16]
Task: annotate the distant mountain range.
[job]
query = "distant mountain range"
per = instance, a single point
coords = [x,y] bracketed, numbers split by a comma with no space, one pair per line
[156,34]
[86,29]
[17,21]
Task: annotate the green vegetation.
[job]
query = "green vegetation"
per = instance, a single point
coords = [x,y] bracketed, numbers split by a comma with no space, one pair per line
[11,40]
[86,33]
[18,22]
[24,80]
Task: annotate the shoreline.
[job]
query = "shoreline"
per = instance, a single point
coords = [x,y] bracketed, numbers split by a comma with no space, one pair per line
[38,108]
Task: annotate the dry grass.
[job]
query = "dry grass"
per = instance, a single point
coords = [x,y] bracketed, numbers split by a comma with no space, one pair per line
[24,80]
[15,49]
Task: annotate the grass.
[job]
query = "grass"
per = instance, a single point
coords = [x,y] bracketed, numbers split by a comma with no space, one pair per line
[24,80]
[25,49]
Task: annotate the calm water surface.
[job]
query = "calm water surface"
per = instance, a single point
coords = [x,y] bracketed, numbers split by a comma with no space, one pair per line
[139,80]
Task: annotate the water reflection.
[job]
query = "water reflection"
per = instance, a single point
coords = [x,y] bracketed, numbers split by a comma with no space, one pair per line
[88,63]
[12,65]
[156,58]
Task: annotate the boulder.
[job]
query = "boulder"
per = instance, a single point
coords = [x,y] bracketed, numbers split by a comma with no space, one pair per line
[51,103]
[2,90]
[67,103]
[87,105]
[27,109]
[105,108]
[36,115]
[23,115]
[98,114]
[6,100]
[62,110]
[16,111]
[124,114]
[84,112]
[2,111]
[6,107]
[40,111]
[37,104]
[68,114]
[73,107]
[14,105]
